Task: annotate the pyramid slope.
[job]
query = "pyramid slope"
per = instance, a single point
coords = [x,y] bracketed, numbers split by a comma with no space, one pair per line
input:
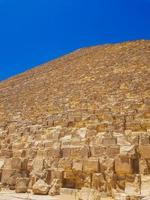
[114,77]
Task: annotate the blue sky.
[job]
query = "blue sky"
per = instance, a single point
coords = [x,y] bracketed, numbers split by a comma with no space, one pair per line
[36,31]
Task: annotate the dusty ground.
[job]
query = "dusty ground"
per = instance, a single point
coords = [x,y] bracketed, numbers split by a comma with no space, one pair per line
[10,195]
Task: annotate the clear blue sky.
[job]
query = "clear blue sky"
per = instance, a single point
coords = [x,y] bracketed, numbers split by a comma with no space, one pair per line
[36,31]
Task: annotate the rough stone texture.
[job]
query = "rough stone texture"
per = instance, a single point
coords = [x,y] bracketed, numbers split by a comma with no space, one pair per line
[21,185]
[40,187]
[83,120]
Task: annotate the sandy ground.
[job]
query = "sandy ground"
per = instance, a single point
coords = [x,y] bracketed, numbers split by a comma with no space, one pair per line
[11,195]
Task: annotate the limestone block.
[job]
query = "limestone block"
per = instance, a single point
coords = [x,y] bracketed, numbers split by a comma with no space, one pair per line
[51,152]
[123,165]
[144,166]
[122,140]
[98,182]
[113,150]
[2,162]
[55,187]
[48,143]
[38,164]
[6,174]
[120,182]
[79,151]
[91,165]
[66,152]
[24,164]
[65,163]
[21,185]
[32,181]
[17,146]
[145,151]
[145,185]
[16,163]
[12,179]
[77,165]
[144,139]
[19,153]
[40,187]
[6,153]
[82,132]
[132,185]
[109,141]
[97,151]
[57,174]
[106,164]
[128,150]
[68,175]
[40,153]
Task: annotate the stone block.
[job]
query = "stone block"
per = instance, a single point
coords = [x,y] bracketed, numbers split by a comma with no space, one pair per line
[16,163]
[109,141]
[123,165]
[66,152]
[132,185]
[97,151]
[91,165]
[65,163]
[145,185]
[40,187]
[38,164]
[98,182]
[106,164]
[145,151]
[77,165]
[113,150]
[21,185]
[79,151]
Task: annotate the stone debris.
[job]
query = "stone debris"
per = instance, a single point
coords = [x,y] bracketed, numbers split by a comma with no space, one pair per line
[40,187]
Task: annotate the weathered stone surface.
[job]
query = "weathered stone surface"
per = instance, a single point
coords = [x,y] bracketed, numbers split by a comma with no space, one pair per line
[90,194]
[87,127]
[55,187]
[21,185]
[145,185]
[40,187]
[91,165]
[123,165]
[132,185]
